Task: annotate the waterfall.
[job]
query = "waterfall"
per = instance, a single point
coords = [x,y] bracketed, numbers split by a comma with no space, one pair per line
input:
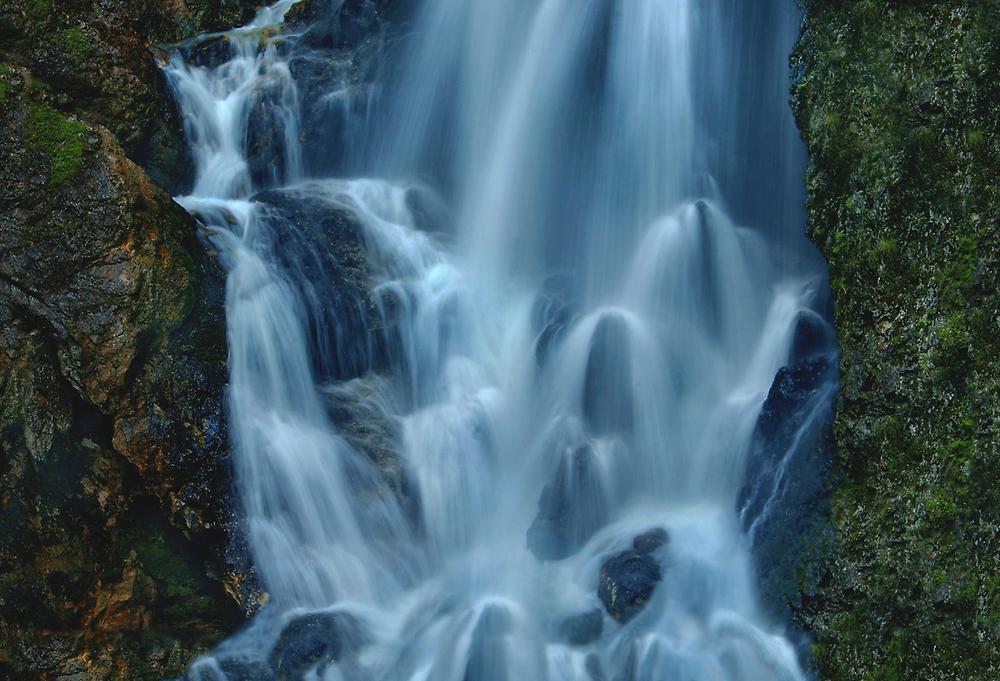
[505,304]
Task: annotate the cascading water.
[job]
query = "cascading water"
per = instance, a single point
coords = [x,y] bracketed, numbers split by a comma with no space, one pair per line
[559,338]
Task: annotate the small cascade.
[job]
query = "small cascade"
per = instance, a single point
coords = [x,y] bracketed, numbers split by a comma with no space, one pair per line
[520,398]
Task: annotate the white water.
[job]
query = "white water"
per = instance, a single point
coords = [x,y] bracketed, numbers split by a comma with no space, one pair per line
[570,138]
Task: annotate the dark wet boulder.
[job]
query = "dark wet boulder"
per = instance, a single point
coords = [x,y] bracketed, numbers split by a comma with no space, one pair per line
[793,399]
[315,640]
[628,579]
[782,502]
[583,628]
[319,246]
[337,57]
[607,392]
[355,410]
[572,506]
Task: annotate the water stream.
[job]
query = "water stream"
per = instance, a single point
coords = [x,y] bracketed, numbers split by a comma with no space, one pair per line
[496,389]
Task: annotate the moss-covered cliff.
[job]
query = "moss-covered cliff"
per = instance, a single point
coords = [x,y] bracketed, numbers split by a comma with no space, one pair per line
[899,103]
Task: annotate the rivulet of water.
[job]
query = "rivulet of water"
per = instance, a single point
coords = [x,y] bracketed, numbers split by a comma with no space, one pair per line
[573,352]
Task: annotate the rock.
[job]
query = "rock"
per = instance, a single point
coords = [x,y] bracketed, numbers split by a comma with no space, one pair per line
[552,315]
[318,244]
[813,338]
[487,658]
[627,579]
[314,640]
[268,131]
[904,209]
[95,56]
[607,390]
[782,502]
[353,407]
[650,540]
[112,371]
[582,629]
[572,507]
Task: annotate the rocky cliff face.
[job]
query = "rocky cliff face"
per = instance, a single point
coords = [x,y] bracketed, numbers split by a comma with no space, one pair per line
[115,522]
[899,103]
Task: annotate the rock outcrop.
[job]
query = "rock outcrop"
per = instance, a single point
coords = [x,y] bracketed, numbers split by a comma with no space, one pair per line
[117,540]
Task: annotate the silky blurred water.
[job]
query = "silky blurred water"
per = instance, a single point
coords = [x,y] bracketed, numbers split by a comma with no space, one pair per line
[601,316]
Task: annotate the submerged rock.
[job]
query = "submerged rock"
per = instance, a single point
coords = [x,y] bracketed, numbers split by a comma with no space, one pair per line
[571,508]
[650,540]
[582,629]
[487,658]
[628,579]
[607,392]
[552,315]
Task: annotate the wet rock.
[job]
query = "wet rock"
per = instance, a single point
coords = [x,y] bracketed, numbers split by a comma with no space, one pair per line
[628,579]
[315,640]
[607,391]
[650,540]
[95,57]
[487,659]
[571,508]
[813,338]
[319,245]
[783,498]
[355,409]
[112,374]
[268,131]
[552,315]
[582,629]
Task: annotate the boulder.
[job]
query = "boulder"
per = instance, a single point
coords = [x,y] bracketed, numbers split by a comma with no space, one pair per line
[315,640]
[783,499]
[628,579]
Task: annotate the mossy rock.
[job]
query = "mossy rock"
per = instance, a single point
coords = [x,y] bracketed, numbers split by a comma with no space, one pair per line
[897,104]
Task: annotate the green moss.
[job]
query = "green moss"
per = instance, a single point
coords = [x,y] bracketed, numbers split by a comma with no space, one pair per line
[941,508]
[76,43]
[60,138]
